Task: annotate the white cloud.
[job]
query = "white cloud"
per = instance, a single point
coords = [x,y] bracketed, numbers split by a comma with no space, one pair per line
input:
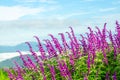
[16,12]
[61,17]
[109,19]
[108,16]
[12,55]
[16,32]
[107,9]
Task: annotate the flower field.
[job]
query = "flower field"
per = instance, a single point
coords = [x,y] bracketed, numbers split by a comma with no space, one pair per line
[94,56]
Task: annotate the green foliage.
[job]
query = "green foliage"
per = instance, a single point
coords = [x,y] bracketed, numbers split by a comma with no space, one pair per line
[3,75]
[98,70]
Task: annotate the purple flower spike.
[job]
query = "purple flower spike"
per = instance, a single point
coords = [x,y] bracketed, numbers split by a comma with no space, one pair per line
[51,51]
[118,28]
[71,60]
[31,63]
[51,36]
[64,71]
[70,37]
[85,78]
[73,35]
[41,50]
[99,32]
[114,76]
[104,55]
[33,53]
[107,76]
[64,41]
[57,44]
[84,45]
[10,75]
[113,44]
[74,50]
[52,71]
[117,36]
[104,44]
[88,63]
[19,69]
[23,59]
[19,77]
[42,70]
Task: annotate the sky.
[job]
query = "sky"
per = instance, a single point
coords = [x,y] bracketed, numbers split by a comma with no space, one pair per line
[20,20]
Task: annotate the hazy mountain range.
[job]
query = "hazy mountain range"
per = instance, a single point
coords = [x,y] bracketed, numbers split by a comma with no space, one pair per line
[12,49]
[24,47]
[21,47]
[8,63]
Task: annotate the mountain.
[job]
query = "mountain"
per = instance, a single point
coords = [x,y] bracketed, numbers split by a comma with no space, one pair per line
[21,47]
[9,63]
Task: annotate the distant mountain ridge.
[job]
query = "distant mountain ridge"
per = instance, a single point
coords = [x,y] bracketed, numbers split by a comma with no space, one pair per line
[21,47]
[24,47]
[9,63]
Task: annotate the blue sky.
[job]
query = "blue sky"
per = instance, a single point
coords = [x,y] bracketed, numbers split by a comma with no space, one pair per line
[20,20]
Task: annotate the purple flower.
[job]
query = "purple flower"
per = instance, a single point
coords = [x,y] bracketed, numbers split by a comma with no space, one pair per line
[42,70]
[52,52]
[114,76]
[73,49]
[92,44]
[84,45]
[88,62]
[19,69]
[41,50]
[85,78]
[104,44]
[98,41]
[93,55]
[113,44]
[31,63]
[52,71]
[77,45]
[92,38]
[71,59]
[10,75]
[104,54]
[118,28]
[70,37]
[19,77]
[99,32]
[64,71]
[23,59]
[48,50]
[33,53]
[75,40]
[64,41]
[57,44]
[107,76]
[117,36]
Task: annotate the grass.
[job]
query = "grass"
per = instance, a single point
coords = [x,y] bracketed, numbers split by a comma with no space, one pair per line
[3,75]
